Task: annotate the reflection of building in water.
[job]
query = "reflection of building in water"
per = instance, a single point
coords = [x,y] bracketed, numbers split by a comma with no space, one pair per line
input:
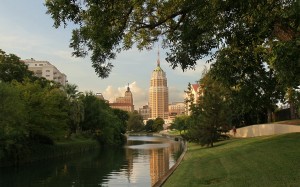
[159,163]
[129,159]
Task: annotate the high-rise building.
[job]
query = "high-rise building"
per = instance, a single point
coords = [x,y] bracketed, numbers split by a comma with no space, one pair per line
[124,103]
[46,69]
[158,93]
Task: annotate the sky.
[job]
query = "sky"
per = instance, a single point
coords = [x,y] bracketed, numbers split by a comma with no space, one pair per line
[27,31]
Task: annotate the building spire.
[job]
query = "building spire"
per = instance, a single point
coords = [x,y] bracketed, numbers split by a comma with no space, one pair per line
[128,89]
[158,61]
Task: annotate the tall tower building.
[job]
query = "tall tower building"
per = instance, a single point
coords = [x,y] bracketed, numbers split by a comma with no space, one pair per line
[158,93]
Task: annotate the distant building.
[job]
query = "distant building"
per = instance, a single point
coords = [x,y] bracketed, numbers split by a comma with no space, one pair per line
[175,109]
[145,112]
[158,93]
[99,96]
[124,103]
[47,70]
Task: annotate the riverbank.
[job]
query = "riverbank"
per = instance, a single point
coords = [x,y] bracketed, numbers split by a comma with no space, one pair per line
[259,161]
[39,152]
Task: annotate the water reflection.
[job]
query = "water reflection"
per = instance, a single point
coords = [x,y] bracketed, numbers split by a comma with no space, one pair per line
[141,163]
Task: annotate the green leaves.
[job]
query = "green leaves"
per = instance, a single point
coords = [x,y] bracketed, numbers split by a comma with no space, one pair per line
[191,29]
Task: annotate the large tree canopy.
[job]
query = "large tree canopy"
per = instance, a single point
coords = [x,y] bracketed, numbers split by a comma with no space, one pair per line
[191,29]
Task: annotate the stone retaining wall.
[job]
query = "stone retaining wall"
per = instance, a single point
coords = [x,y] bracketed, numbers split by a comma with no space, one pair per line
[265,129]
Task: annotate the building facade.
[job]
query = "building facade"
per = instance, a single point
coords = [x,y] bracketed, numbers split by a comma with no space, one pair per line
[47,70]
[145,112]
[158,93]
[124,103]
[175,109]
[192,96]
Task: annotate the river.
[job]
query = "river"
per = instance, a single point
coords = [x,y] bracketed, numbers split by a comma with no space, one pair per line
[141,162]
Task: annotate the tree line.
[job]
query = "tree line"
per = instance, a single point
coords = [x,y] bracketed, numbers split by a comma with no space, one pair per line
[38,111]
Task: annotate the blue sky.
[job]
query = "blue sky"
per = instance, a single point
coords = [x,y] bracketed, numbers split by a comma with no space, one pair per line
[27,31]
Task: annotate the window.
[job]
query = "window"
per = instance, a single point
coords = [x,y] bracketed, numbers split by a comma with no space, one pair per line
[47,70]
[40,64]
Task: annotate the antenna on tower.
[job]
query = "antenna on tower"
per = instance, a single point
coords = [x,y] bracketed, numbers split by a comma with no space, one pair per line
[158,61]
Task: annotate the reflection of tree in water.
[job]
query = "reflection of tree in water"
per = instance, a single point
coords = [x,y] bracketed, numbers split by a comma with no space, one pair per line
[96,168]
[87,169]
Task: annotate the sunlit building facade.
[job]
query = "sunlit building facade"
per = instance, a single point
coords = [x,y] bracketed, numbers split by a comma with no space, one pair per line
[158,94]
[47,70]
[124,103]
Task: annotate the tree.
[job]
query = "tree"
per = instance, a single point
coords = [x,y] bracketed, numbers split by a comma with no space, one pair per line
[13,122]
[158,124]
[76,107]
[180,123]
[149,125]
[123,117]
[135,122]
[47,109]
[191,29]
[214,115]
[255,88]
[101,121]
[11,68]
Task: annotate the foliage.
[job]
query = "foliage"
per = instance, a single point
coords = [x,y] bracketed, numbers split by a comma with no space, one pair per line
[191,29]
[135,122]
[12,68]
[149,125]
[180,123]
[13,122]
[158,124]
[101,121]
[255,89]
[47,108]
[123,117]
[38,112]
[155,125]
[213,113]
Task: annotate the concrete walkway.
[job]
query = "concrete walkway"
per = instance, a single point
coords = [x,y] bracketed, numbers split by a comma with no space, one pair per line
[265,129]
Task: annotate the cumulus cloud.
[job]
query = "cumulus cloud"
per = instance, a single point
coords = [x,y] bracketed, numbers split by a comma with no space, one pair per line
[140,96]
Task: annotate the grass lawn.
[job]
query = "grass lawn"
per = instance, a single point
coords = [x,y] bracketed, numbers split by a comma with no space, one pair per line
[260,161]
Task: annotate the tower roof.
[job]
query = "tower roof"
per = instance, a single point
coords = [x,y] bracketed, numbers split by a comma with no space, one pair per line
[128,89]
[158,68]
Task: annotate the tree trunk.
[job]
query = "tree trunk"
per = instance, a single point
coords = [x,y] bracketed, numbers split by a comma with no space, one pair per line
[291,101]
[270,115]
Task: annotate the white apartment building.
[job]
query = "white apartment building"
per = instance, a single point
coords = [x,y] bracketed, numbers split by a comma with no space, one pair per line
[46,69]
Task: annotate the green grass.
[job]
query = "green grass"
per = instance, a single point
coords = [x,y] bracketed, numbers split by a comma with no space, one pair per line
[261,161]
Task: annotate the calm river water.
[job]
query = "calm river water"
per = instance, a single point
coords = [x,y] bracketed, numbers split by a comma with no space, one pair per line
[140,163]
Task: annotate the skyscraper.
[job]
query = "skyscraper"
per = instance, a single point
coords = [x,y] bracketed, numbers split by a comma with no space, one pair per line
[158,93]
